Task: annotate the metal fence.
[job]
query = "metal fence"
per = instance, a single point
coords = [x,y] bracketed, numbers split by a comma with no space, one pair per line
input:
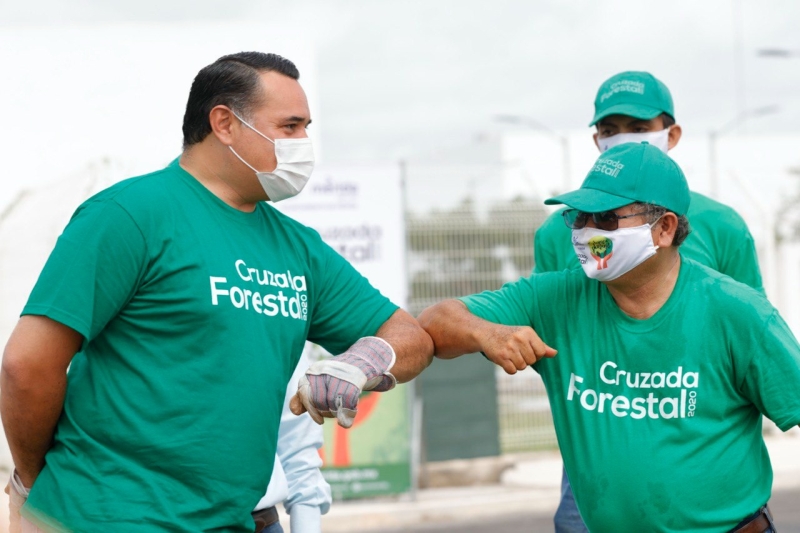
[465,250]
[526,423]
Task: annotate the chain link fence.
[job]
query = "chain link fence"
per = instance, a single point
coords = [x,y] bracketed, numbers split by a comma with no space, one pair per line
[526,423]
[469,248]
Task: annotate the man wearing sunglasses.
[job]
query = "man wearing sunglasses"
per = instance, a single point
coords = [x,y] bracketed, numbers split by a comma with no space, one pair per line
[664,366]
[637,107]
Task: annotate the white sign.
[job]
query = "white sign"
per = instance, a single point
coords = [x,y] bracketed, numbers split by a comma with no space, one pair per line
[358,210]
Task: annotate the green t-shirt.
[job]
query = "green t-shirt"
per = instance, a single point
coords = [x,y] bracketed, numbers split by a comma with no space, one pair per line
[719,239]
[194,316]
[659,420]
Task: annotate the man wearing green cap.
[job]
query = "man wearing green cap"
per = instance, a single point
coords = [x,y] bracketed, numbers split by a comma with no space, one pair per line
[638,107]
[664,366]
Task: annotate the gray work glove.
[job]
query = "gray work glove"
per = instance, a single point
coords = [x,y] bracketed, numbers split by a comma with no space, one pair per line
[330,388]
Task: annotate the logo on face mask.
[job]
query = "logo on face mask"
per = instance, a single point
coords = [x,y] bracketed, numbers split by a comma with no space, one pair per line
[601,249]
[629,246]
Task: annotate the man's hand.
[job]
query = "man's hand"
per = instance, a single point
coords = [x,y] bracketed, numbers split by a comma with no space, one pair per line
[513,347]
[330,388]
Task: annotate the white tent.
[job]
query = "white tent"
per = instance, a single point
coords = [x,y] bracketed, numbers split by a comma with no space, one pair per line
[29,227]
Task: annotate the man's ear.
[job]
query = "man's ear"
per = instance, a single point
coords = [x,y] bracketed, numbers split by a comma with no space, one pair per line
[222,122]
[664,230]
[594,136]
[675,133]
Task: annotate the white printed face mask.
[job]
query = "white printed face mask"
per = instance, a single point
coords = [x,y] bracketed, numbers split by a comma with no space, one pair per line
[659,139]
[607,255]
[295,159]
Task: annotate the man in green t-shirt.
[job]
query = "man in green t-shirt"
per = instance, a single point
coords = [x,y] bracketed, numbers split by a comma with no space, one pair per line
[664,366]
[638,107]
[142,388]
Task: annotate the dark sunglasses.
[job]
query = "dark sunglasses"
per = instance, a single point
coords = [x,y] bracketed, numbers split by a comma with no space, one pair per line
[606,220]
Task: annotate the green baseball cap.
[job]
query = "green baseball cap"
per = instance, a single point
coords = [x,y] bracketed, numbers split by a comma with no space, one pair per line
[628,173]
[635,94]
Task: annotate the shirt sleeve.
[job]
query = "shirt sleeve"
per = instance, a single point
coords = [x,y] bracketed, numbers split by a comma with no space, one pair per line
[93,271]
[728,244]
[346,306]
[305,518]
[299,440]
[511,305]
[739,259]
[771,380]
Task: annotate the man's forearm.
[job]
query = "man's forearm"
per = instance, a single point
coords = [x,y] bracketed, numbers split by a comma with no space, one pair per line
[452,328]
[412,346]
[30,414]
[33,383]
[455,331]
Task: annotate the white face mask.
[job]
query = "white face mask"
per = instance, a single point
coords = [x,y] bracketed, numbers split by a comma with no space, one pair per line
[659,139]
[295,159]
[607,255]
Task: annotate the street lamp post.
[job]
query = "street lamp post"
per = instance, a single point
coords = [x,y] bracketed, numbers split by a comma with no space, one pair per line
[778,52]
[529,122]
[714,135]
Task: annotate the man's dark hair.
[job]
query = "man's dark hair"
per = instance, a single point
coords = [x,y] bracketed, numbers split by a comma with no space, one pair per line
[232,81]
[654,212]
[667,119]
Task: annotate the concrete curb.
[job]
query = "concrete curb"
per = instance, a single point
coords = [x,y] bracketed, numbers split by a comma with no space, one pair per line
[531,486]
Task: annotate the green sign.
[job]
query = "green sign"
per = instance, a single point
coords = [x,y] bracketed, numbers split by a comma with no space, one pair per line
[371,458]
[368,480]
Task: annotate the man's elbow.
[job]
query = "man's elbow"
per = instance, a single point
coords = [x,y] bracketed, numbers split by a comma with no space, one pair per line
[412,344]
[403,326]
[38,352]
[419,343]
[17,371]
[434,321]
[421,339]
[425,344]
[428,317]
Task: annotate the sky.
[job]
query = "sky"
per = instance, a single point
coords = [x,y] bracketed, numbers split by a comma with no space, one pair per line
[405,79]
